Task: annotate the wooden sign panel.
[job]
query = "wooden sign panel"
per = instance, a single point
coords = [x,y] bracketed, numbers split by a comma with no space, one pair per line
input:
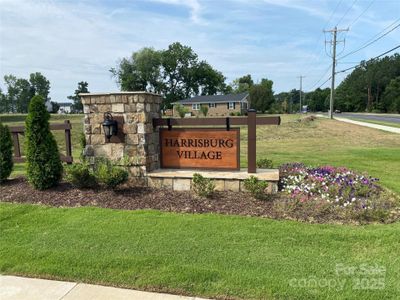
[200,148]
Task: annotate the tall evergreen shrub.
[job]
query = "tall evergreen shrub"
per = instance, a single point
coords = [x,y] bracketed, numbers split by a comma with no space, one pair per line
[44,166]
[6,162]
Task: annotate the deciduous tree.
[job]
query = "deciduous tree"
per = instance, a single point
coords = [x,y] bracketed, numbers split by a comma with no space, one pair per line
[176,73]
[261,95]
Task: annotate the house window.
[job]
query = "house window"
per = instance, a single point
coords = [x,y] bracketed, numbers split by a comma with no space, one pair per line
[211,105]
[231,105]
[196,106]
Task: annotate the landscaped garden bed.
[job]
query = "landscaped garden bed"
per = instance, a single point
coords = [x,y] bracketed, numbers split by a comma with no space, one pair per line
[318,195]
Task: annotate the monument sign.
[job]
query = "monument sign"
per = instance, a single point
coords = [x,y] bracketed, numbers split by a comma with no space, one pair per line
[204,148]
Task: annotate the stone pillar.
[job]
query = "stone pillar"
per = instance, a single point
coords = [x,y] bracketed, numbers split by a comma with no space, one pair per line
[139,146]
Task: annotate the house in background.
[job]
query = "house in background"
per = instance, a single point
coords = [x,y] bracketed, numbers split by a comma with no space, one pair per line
[65,107]
[218,105]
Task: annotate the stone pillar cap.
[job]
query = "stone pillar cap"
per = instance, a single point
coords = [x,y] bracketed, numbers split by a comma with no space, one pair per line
[118,93]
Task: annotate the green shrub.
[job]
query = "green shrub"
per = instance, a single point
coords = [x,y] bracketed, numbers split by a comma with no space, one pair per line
[203,187]
[81,175]
[264,163]
[44,168]
[256,187]
[109,174]
[204,110]
[181,110]
[6,160]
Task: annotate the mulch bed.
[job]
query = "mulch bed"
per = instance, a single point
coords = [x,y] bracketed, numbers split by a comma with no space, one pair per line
[65,195]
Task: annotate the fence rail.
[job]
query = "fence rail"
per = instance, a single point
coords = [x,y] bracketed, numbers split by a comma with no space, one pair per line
[251,121]
[20,130]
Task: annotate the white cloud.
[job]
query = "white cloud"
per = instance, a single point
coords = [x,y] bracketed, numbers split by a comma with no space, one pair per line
[193,5]
[73,41]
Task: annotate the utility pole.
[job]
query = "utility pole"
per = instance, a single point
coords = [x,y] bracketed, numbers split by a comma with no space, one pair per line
[334,42]
[301,88]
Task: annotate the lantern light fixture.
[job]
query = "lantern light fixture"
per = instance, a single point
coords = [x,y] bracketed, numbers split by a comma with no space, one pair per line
[110,126]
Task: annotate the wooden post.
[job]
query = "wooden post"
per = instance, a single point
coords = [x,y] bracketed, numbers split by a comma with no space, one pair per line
[251,142]
[68,144]
[17,149]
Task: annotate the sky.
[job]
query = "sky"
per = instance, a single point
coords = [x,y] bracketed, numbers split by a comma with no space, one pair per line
[72,41]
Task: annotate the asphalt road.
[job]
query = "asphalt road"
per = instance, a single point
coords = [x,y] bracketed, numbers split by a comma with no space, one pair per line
[371,117]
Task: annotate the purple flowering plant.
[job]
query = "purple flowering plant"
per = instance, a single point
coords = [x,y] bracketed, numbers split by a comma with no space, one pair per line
[338,186]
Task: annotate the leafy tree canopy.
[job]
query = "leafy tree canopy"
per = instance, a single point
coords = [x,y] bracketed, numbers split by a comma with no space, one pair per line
[20,91]
[364,88]
[242,84]
[261,95]
[176,73]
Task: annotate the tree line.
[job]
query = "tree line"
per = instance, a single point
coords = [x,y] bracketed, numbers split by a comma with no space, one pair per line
[373,86]
[20,91]
[177,73]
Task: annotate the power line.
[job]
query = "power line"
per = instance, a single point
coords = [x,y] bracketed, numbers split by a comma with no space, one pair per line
[363,12]
[326,72]
[324,82]
[345,70]
[347,11]
[376,57]
[322,33]
[375,40]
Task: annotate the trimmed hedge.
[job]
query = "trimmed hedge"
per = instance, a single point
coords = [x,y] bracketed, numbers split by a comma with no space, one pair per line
[6,160]
[44,168]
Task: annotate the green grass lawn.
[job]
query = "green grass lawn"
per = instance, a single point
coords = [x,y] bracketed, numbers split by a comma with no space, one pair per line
[204,255]
[215,255]
[391,124]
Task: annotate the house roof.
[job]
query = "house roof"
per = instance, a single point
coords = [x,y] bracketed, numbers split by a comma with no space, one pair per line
[215,98]
[64,103]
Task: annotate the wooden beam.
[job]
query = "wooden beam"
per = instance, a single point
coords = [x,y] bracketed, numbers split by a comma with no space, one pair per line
[238,121]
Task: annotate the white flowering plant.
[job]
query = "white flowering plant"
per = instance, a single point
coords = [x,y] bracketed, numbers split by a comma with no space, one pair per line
[336,185]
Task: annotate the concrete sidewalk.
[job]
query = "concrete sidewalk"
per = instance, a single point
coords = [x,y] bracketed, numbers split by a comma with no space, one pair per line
[21,288]
[371,125]
[365,124]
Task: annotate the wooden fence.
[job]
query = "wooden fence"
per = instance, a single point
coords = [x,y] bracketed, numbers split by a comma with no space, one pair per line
[66,126]
[251,121]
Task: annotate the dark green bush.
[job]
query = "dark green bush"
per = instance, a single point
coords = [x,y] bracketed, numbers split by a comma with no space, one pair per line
[264,163]
[81,175]
[44,168]
[109,174]
[256,187]
[6,160]
[203,187]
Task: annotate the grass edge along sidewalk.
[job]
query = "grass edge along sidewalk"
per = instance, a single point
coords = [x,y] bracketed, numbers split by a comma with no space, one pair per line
[208,255]
[384,123]
[23,288]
